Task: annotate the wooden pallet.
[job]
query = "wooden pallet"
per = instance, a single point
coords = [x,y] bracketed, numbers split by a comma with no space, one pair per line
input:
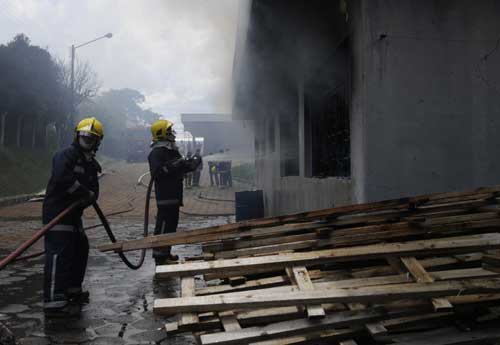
[403,271]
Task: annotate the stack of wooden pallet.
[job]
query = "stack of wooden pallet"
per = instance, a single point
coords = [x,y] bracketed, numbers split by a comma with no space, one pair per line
[414,271]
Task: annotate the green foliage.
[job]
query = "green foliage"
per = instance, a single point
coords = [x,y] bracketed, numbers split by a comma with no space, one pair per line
[24,171]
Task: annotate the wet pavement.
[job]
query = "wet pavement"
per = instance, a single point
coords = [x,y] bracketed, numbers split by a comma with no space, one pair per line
[121,299]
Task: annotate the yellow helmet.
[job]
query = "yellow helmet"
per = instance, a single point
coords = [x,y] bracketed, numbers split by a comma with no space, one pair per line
[90,125]
[160,129]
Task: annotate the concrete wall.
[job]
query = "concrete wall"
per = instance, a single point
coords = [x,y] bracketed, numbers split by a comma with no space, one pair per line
[428,114]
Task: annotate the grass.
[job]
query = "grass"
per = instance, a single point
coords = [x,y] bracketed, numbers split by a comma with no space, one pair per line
[24,171]
[245,172]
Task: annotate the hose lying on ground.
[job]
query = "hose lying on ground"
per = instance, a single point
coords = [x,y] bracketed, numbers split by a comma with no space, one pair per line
[12,257]
[23,247]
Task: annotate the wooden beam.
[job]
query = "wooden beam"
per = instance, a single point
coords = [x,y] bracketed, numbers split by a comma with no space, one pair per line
[421,276]
[449,336]
[313,338]
[303,281]
[200,235]
[290,328]
[188,290]
[363,294]
[229,321]
[247,265]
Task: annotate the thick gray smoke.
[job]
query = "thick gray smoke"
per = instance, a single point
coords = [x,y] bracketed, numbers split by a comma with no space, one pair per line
[178,53]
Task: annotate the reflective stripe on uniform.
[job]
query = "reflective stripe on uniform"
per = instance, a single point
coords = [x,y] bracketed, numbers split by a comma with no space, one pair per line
[55,304]
[53,277]
[63,227]
[79,169]
[73,187]
[169,202]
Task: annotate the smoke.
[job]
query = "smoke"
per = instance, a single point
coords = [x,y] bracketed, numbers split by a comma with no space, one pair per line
[282,44]
[178,53]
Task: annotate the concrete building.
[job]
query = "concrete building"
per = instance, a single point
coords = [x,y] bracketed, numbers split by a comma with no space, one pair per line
[363,100]
[220,132]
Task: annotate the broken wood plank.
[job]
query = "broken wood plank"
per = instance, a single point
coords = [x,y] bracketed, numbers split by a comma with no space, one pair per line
[363,294]
[246,265]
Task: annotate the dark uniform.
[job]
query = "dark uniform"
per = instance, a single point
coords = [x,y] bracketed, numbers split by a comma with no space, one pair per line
[197,171]
[167,167]
[66,245]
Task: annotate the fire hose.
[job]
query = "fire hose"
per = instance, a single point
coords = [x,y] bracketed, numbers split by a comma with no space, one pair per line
[14,256]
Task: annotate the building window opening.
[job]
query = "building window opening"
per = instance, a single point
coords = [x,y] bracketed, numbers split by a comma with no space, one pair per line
[329,133]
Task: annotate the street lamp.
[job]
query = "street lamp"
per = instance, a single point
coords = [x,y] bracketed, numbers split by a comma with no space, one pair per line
[73,49]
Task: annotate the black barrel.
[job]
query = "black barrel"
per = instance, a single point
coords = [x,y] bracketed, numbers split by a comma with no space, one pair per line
[249,205]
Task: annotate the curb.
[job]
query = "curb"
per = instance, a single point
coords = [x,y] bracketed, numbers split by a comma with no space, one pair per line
[16,199]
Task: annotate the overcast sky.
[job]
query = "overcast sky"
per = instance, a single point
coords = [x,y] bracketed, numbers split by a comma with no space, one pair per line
[178,53]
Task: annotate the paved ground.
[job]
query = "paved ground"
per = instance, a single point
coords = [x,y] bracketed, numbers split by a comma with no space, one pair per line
[120,311]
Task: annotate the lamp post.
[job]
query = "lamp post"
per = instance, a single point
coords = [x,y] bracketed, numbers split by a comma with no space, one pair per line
[73,51]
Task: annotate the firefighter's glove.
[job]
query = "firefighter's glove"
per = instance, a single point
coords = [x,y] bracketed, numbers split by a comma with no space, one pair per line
[175,164]
[89,199]
[194,163]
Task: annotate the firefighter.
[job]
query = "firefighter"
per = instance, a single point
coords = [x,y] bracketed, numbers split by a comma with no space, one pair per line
[73,178]
[197,171]
[167,167]
[188,177]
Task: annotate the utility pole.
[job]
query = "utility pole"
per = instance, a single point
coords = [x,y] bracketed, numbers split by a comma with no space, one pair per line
[72,85]
[72,81]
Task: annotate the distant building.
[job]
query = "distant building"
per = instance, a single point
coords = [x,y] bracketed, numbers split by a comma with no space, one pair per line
[362,100]
[220,132]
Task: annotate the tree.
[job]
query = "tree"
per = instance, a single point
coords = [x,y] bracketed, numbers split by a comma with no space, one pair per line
[28,89]
[118,110]
[85,80]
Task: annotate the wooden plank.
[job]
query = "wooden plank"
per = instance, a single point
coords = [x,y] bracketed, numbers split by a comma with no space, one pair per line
[363,294]
[396,323]
[229,321]
[348,342]
[421,276]
[313,338]
[303,281]
[376,329]
[233,244]
[194,236]
[246,265]
[275,248]
[188,290]
[449,336]
[290,328]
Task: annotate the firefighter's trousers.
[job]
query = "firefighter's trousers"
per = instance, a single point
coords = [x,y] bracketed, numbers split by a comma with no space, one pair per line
[66,255]
[167,219]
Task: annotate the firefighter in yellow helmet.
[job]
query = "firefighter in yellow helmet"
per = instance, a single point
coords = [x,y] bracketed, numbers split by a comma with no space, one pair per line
[73,178]
[167,167]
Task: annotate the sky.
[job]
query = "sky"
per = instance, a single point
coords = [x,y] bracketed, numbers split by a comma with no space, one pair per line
[178,53]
